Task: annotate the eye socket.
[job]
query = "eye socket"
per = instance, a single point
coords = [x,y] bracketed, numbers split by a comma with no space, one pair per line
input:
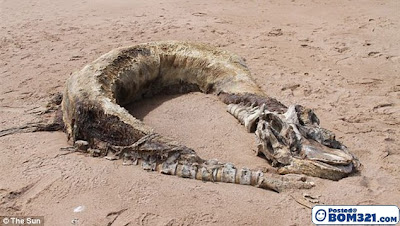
[276,126]
[275,122]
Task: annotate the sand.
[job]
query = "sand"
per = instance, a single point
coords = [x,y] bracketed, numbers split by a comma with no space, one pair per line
[341,58]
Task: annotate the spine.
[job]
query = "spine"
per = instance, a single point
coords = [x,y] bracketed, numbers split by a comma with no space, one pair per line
[209,171]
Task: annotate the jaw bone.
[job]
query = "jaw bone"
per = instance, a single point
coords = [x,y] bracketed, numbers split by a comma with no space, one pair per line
[295,142]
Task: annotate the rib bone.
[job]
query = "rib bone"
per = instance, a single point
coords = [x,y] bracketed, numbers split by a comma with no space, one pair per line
[247,115]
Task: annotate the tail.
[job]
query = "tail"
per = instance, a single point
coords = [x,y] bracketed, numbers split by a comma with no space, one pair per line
[56,124]
[33,127]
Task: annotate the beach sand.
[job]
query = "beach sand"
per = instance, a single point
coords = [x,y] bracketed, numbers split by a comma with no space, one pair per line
[340,58]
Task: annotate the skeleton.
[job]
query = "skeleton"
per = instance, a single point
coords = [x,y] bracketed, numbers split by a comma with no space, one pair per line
[97,123]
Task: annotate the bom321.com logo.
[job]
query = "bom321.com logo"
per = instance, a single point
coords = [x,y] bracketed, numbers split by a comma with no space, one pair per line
[355,215]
